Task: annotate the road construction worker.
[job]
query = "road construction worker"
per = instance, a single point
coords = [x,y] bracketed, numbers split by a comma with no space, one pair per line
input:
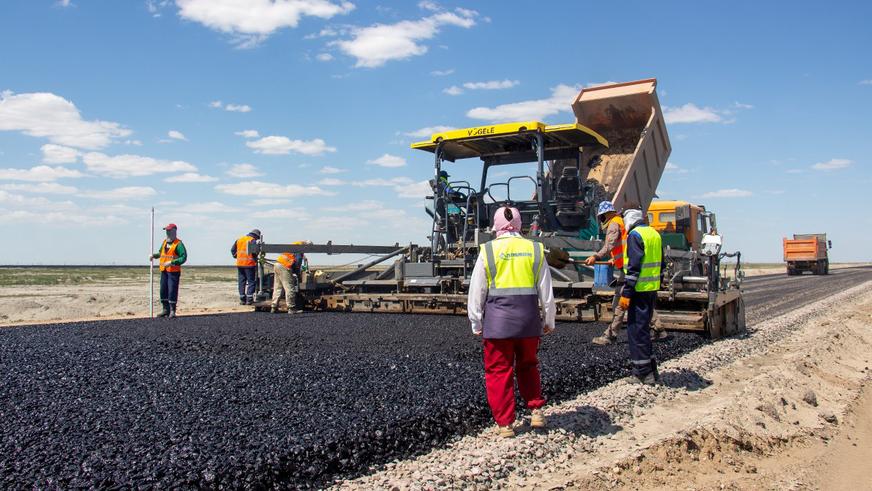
[643,260]
[172,254]
[246,267]
[509,282]
[613,248]
[287,273]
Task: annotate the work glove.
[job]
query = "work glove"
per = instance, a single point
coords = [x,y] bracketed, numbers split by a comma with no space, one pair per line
[590,260]
[624,303]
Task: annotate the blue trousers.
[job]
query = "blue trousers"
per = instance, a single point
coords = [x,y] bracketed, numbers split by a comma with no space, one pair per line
[169,286]
[246,278]
[639,332]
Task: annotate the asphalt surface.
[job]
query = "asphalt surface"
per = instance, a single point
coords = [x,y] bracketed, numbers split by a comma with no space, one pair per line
[260,400]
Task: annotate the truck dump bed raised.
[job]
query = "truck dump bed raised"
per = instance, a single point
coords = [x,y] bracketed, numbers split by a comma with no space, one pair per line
[628,115]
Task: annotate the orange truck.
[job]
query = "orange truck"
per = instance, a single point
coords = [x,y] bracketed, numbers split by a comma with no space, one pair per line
[807,252]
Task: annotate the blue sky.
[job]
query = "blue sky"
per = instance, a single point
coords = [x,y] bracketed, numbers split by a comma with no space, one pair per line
[296,116]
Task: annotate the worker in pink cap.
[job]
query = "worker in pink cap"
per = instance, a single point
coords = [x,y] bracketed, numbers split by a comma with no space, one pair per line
[510,306]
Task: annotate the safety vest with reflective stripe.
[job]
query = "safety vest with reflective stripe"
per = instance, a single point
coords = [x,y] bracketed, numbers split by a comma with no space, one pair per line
[167,255]
[649,276]
[243,258]
[617,252]
[512,266]
[287,260]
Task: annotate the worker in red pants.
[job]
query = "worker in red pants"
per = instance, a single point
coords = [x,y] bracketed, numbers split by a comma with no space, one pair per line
[509,287]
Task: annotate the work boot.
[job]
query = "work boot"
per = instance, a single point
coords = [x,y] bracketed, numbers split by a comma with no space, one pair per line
[242,301]
[172,314]
[273,309]
[650,379]
[537,419]
[505,432]
[604,340]
[250,300]
[166,310]
[660,336]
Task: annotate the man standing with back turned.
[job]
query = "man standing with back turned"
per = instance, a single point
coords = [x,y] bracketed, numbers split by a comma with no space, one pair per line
[246,267]
[172,255]
[643,258]
[509,282]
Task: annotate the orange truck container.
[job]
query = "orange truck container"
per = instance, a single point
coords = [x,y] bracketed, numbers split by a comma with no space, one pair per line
[807,252]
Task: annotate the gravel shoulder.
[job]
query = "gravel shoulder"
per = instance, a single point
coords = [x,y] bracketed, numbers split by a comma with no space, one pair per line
[766,411]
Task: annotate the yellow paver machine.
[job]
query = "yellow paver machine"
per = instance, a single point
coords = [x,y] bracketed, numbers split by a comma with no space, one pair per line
[616,149]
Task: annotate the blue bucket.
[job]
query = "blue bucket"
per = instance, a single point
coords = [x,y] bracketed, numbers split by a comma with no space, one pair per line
[602,275]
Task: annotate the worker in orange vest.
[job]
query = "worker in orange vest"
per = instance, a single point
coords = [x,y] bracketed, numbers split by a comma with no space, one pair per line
[172,255]
[613,248]
[286,279]
[246,267]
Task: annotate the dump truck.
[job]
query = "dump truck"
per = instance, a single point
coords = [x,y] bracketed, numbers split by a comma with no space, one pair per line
[616,149]
[807,252]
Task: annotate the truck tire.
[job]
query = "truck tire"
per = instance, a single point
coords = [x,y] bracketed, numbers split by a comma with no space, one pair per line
[826,266]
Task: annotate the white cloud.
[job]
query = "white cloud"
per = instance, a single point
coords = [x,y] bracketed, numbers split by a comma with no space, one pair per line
[375,45]
[324,57]
[243,171]
[442,73]
[332,170]
[428,5]
[46,115]
[210,207]
[675,169]
[64,3]
[739,105]
[268,201]
[40,173]
[727,193]
[58,154]
[428,131]
[453,90]
[121,194]
[191,177]
[250,22]
[176,135]
[270,190]
[282,145]
[491,85]
[537,109]
[238,108]
[296,213]
[691,113]
[40,188]
[248,133]
[868,81]
[388,160]
[795,171]
[331,181]
[832,164]
[135,143]
[127,165]
[403,186]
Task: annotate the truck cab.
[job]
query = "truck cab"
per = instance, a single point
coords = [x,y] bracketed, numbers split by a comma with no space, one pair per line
[682,225]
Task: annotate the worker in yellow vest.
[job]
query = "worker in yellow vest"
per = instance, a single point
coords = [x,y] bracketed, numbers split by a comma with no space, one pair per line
[286,279]
[511,305]
[643,262]
[246,267]
[172,254]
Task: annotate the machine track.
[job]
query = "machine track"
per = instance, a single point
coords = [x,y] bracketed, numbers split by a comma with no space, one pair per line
[256,400]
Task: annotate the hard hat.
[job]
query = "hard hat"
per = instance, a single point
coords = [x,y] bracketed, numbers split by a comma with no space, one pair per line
[256,232]
[443,173]
[605,207]
[171,226]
